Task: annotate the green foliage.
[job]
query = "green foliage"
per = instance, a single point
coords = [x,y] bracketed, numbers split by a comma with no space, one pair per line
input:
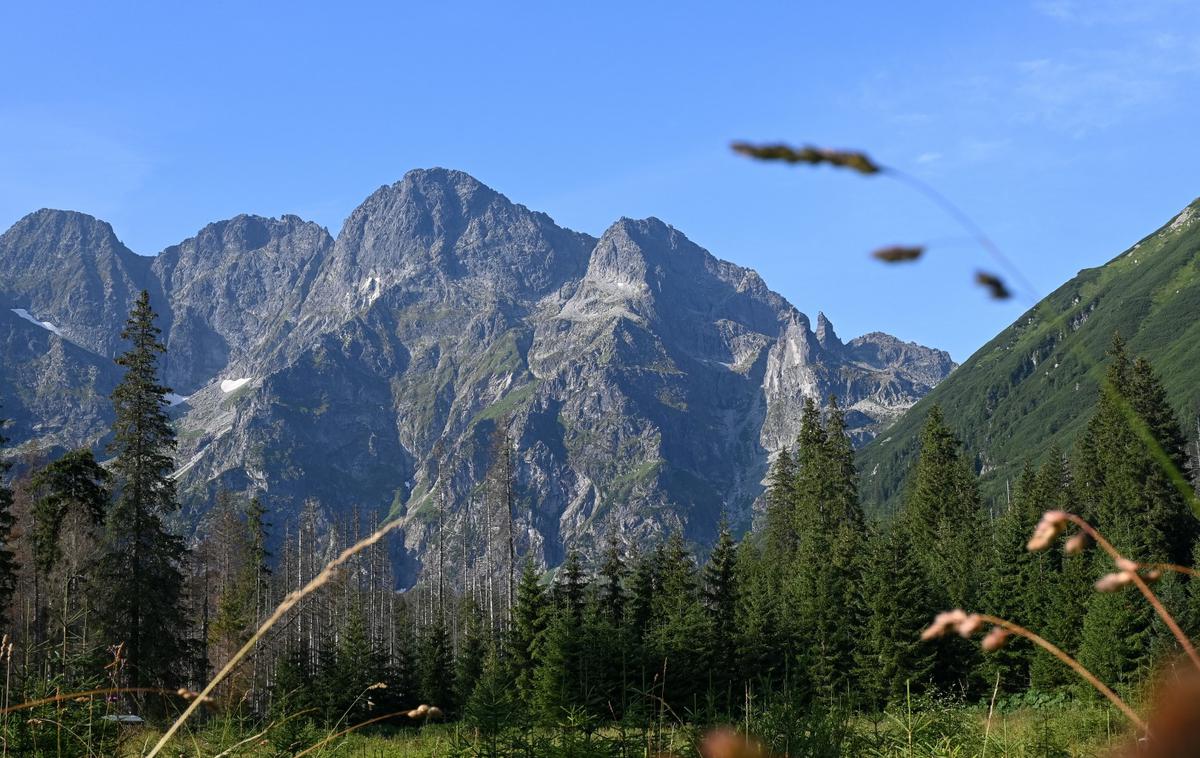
[435,666]
[1032,387]
[528,622]
[75,483]
[898,602]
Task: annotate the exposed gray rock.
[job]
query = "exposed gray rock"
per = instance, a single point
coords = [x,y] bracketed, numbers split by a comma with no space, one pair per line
[645,382]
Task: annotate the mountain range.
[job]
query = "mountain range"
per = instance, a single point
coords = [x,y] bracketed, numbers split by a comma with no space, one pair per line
[643,382]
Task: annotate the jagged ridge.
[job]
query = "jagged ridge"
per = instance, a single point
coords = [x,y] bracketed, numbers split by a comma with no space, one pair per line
[646,381]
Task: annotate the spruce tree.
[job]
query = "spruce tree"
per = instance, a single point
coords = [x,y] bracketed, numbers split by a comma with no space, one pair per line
[470,657]
[899,601]
[70,495]
[639,615]
[559,681]
[678,624]
[528,623]
[1012,580]
[841,487]
[781,502]
[75,483]
[358,671]
[942,514]
[811,507]
[435,670]
[291,695]
[493,707]
[1125,462]
[721,603]
[612,588]
[945,523]
[557,686]
[829,535]
[762,647]
[140,579]
[1061,584]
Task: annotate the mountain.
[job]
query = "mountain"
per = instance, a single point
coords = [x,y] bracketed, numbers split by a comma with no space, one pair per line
[644,382]
[1034,385]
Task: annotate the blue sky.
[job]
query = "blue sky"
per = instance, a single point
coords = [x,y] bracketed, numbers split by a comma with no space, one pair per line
[1067,129]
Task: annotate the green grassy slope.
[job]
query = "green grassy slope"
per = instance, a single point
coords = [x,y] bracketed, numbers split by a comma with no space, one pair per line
[1035,383]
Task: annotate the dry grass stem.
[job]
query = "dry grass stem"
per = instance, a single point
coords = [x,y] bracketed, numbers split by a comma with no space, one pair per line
[288,603]
[1129,572]
[84,694]
[430,711]
[958,619]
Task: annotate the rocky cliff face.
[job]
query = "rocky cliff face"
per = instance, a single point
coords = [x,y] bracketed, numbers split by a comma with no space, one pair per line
[644,383]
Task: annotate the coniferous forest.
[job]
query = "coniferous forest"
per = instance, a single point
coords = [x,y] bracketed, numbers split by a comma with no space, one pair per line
[804,632]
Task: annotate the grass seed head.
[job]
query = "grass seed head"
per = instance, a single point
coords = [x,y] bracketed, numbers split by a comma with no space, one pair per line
[995,639]
[814,156]
[1047,530]
[1077,543]
[969,625]
[943,623]
[1114,581]
[898,253]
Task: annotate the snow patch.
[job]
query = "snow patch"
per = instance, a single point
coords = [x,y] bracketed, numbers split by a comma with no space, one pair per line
[44,324]
[174,399]
[229,385]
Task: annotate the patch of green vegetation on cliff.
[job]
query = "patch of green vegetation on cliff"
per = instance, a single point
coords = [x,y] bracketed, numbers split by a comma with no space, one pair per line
[1035,383]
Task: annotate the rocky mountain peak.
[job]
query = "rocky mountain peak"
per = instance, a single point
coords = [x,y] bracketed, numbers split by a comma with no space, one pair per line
[50,236]
[70,269]
[644,381]
[827,338]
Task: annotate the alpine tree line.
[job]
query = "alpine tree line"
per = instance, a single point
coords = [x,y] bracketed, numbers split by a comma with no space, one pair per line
[818,609]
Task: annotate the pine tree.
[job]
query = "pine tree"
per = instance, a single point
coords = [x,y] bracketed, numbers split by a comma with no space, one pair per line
[678,624]
[74,484]
[1012,580]
[8,560]
[612,589]
[781,507]
[942,514]
[528,622]
[1125,459]
[71,499]
[1061,585]
[470,658]
[762,646]
[899,601]
[435,670]
[721,600]
[141,582]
